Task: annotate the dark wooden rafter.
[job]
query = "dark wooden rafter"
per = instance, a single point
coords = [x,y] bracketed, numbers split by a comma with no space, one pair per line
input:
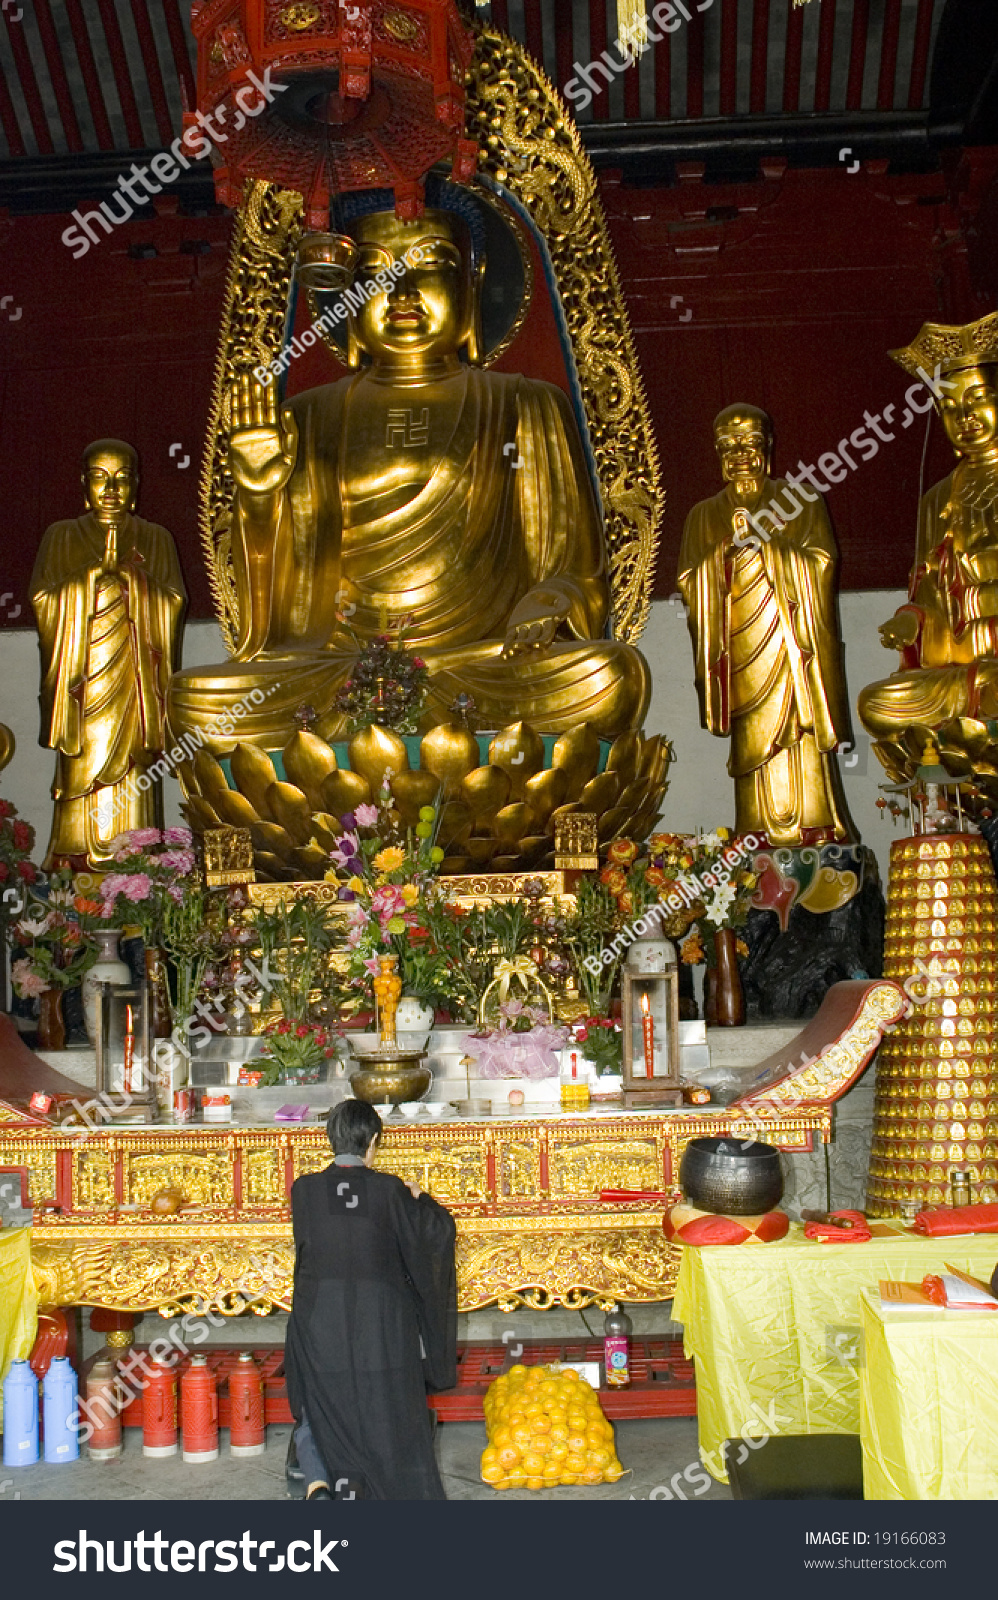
[154,74]
[792,58]
[920,54]
[181,54]
[57,75]
[29,86]
[889,42]
[122,74]
[90,75]
[729,58]
[857,54]
[760,57]
[826,49]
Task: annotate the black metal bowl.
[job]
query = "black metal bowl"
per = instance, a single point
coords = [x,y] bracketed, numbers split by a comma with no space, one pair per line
[731,1177]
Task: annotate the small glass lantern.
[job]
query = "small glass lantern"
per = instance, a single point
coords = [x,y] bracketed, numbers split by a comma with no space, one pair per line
[126,1071]
[650,1016]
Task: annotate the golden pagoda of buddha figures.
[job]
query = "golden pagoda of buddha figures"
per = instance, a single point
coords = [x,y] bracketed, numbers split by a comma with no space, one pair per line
[936,1105]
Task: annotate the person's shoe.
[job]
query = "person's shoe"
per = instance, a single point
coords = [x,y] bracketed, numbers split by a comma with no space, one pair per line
[292,1470]
[319,1491]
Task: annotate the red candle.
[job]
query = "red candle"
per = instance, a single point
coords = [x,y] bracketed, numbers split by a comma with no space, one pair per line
[648,1028]
[129,1050]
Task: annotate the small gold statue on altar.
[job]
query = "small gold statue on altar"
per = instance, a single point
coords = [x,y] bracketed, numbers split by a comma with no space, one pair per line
[109,602]
[947,632]
[762,614]
[423,486]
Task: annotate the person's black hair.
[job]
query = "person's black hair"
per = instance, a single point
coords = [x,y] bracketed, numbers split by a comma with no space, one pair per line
[351,1126]
[440,196]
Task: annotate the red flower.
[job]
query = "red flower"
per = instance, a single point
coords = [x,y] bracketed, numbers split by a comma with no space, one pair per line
[582,1034]
[284,1026]
[22,835]
[301,1032]
[418,661]
[6,809]
[27,872]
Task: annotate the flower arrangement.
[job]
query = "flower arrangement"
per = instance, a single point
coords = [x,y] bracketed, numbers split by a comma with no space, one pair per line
[526,1043]
[602,1043]
[154,868]
[699,866]
[17,840]
[388,687]
[296,1051]
[56,951]
[388,873]
[297,937]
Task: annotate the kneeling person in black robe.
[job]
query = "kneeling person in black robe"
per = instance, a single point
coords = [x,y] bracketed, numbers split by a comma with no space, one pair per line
[373,1324]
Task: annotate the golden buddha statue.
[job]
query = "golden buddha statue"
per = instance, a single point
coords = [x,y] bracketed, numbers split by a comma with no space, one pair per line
[109,602]
[419,486]
[762,616]
[947,632]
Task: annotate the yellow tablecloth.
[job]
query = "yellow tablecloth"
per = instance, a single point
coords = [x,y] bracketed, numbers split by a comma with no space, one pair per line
[775,1328]
[18,1300]
[928,1403]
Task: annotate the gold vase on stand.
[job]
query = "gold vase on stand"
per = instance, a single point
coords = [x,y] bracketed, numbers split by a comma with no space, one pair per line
[937,1086]
[387,1074]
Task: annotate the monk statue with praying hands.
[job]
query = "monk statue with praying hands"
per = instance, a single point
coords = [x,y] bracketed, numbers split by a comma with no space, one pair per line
[109,602]
[757,573]
[423,486]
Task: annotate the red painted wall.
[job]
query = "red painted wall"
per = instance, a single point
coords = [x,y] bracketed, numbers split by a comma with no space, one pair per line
[795,286]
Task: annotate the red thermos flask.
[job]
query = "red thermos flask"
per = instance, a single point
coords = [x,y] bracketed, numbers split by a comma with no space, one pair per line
[199,1411]
[247,1435]
[159,1410]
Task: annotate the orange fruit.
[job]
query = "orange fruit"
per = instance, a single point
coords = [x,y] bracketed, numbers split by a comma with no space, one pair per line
[594,1437]
[569,1375]
[575,1463]
[516,1478]
[577,1419]
[559,1431]
[576,1441]
[613,1471]
[532,1463]
[535,1483]
[558,1451]
[509,1456]
[501,1435]
[491,1474]
[489,1454]
[516,1374]
[568,1478]
[552,1472]
[598,1458]
[522,1437]
[541,1424]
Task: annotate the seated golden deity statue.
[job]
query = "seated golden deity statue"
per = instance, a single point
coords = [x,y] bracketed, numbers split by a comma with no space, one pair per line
[419,486]
[762,616]
[109,602]
[947,633]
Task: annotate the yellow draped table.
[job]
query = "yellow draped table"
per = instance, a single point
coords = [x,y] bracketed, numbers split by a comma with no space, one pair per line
[775,1328]
[928,1391]
[18,1299]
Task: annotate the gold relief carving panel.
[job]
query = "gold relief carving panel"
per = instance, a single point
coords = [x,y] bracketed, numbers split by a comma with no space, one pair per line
[41,1166]
[572,1269]
[518,1168]
[585,1167]
[447,1172]
[263,1176]
[93,1180]
[309,1159]
[204,1177]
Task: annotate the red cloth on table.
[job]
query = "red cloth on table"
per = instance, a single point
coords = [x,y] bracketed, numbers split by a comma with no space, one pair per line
[829,1234]
[941,1220]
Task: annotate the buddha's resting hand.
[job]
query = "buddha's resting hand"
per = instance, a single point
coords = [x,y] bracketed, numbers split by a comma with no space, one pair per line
[262,449]
[534,621]
[900,631]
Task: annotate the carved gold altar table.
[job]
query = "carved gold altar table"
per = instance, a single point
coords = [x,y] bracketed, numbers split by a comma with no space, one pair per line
[525,1192]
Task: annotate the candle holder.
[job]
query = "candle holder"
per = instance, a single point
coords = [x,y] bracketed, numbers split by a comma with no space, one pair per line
[650,1017]
[126,1071]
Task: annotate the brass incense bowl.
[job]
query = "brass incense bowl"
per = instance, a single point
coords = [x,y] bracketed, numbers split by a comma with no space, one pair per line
[391,1077]
[731,1177]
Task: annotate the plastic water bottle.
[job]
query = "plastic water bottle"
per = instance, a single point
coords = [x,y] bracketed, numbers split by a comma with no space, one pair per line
[20,1416]
[617,1329]
[61,1409]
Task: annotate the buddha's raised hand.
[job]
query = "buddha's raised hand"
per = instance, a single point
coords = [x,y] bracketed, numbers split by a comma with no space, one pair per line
[262,447]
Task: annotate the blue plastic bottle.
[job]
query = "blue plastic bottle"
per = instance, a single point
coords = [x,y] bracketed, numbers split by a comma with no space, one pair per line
[61,1402]
[20,1416]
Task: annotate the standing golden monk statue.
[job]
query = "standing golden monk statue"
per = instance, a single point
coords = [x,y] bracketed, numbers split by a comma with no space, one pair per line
[762,615]
[420,486]
[947,632]
[109,602]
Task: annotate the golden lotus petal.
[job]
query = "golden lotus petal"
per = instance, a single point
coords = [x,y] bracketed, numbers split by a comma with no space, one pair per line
[456,823]
[210,775]
[601,793]
[486,790]
[327,829]
[544,791]
[512,822]
[375,751]
[308,760]
[449,752]
[312,859]
[413,790]
[520,752]
[291,809]
[270,838]
[612,824]
[200,814]
[481,850]
[341,792]
[625,753]
[269,867]
[234,810]
[577,754]
[252,774]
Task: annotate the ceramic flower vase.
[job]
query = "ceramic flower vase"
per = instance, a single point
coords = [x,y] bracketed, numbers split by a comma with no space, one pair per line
[51,1026]
[108,968]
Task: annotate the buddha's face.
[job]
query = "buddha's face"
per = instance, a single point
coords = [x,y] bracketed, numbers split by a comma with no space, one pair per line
[427,312]
[110,480]
[969,410]
[743,448]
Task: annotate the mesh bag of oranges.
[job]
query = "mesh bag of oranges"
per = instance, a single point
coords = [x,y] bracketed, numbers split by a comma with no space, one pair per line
[545,1427]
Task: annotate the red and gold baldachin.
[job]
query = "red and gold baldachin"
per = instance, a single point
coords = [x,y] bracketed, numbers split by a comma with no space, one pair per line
[937,1085]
